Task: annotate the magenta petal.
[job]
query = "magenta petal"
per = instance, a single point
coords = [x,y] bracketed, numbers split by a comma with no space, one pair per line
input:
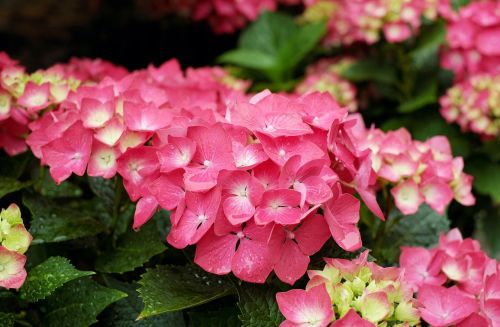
[144,210]
[215,253]
[253,261]
[442,306]
[312,234]
[293,263]
[352,319]
[306,308]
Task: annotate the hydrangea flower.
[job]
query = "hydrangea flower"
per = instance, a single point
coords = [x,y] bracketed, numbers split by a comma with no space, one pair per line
[14,242]
[350,293]
[366,21]
[324,76]
[456,282]
[474,104]
[473,35]
[418,172]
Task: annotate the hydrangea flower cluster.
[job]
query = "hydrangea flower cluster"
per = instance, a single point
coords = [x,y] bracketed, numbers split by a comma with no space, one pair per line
[416,171]
[474,104]
[456,282]
[351,293]
[324,76]
[473,36]
[364,21]
[244,178]
[23,96]
[14,242]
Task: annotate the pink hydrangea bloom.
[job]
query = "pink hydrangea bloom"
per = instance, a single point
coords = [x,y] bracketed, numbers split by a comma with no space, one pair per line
[361,293]
[418,172]
[473,299]
[324,76]
[473,35]
[474,105]
[367,21]
[306,307]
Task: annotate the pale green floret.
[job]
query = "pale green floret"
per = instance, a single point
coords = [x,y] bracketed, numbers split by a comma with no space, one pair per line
[12,215]
[406,312]
[18,239]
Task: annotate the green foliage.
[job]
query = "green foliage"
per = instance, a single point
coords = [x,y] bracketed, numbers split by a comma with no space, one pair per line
[172,288]
[486,176]
[426,49]
[225,317]
[125,312]
[258,306]
[78,303]
[55,223]
[132,250]
[49,276]
[10,185]
[420,229]
[274,45]
[371,70]
[7,319]
[67,189]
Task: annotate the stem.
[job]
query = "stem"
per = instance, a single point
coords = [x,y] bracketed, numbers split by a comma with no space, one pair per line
[116,203]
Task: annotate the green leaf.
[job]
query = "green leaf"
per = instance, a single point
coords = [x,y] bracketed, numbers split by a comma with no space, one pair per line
[103,189]
[78,303]
[258,306]
[248,58]
[296,48]
[420,229]
[430,39]
[370,70]
[225,317]
[426,94]
[7,319]
[54,223]
[268,33]
[487,231]
[10,185]
[172,288]
[486,176]
[133,250]
[14,167]
[274,45]
[66,189]
[48,276]
[457,4]
[125,312]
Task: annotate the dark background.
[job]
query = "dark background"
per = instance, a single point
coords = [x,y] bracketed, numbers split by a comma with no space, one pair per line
[132,33]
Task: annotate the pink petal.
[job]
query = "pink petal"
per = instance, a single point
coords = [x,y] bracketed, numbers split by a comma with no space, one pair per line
[352,319]
[102,162]
[95,114]
[312,234]
[145,117]
[407,197]
[70,153]
[144,210]
[437,195]
[488,40]
[253,261]
[111,132]
[342,215]
[167,191]
[442,307]
[293,263]
[35,97]
[280,206]
[215,253]
[312,307]
[176,154]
